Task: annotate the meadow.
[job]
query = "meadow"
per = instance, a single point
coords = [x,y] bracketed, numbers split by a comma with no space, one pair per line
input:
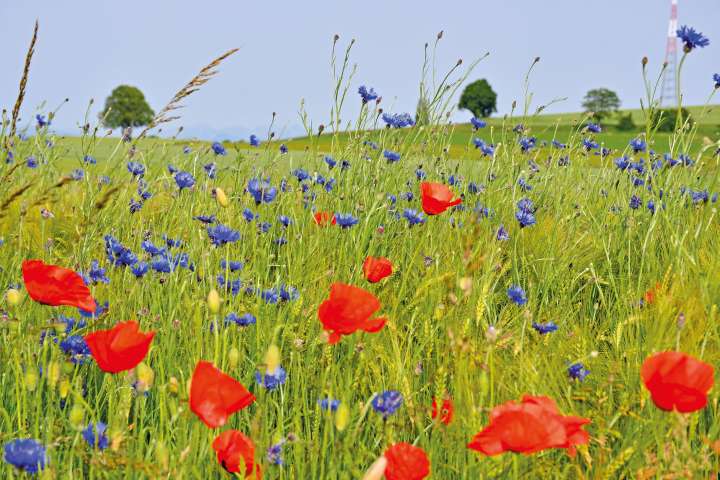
[562,270]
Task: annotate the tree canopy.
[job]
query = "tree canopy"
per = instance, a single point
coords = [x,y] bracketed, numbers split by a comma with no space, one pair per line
[602,102]
[479,98]
[126,107]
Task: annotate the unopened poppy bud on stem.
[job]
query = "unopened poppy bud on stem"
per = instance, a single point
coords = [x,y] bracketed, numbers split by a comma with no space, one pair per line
[233,358]
[213,301]
[13,297]
[221,198]
[342,417]
[272,358]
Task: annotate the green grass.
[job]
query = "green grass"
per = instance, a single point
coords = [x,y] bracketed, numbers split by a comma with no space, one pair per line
[585,265]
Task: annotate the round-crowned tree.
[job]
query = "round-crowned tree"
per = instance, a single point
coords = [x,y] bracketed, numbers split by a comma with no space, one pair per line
[126,107]
[479,98]
[601,102]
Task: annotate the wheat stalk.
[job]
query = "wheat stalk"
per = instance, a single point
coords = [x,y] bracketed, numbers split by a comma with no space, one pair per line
[164,115]
[23,82]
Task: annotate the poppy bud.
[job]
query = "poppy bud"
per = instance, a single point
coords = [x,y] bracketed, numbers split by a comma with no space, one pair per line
[31,379]
[173,385]
[64,388]
[221,198]
[376,470]
[77,416]
[213,301]
[233,358]
[342,416]
[53,374]
[145,376]
[13,297]
[272,358]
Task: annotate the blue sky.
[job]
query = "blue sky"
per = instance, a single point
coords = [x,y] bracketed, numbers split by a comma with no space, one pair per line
[86,48]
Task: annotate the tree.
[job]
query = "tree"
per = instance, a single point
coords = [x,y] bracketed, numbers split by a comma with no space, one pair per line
[126,107]
[626,123]
[602,102]
[479,98]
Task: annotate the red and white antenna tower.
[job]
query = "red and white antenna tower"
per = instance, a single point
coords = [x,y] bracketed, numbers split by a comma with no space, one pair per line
[668,84]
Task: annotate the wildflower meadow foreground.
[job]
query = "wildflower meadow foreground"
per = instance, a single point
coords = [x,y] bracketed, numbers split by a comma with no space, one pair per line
[395,297]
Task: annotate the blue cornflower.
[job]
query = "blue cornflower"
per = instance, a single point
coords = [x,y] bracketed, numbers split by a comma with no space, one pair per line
[651,206]
[95,435]
[474,188]
[368,95]
[184,180]
[344,165]
[75,347]
[525,218]
[716,79]
[623,163]
[329,185]
[151,248]
[96,274]
[527,143]
[699,196]
[593,127]
[218,148]
[525,205]
[31,162]
[243,320]
[558,145]
[283,149]
[329,404]
[136,168]
[205,218]
[517,295]
[454,181]
[638,182]
[89,159]
[271,380]
[172,169]
[231,265]
[345,220]
[590,144]
[135,206]
[248,215]
[41,122]
[407,196]
[140,269]
[413,217]
[220,235]
[162,263]
[254,141]
[420,174]
[524,186]
[117,254]
[300,174]
[264,227]
[685,160]
[387,402]
[319,179]
[285,221]
[210,169]
[26,454]
[577,371]
[187,149]
[691,38]
[502,234]
[638,145]
[564,161]
[77,174]
[398,120]
[635,202]
[288,293]
[274,453]
[391,156]
[371,144]
[477,123]
[519,128]
[543,328]
[104,180]
[331,162]
[261,191]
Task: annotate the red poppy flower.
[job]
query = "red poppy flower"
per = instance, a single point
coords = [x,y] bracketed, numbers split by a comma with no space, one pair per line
[324,218]
[349,309]
[214,396]
[406,462]
[651,293]
[677,381]
[53,285]
[121,348]
[235,450]
[446,412]
[533,425]
[436,198]
[375,269]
